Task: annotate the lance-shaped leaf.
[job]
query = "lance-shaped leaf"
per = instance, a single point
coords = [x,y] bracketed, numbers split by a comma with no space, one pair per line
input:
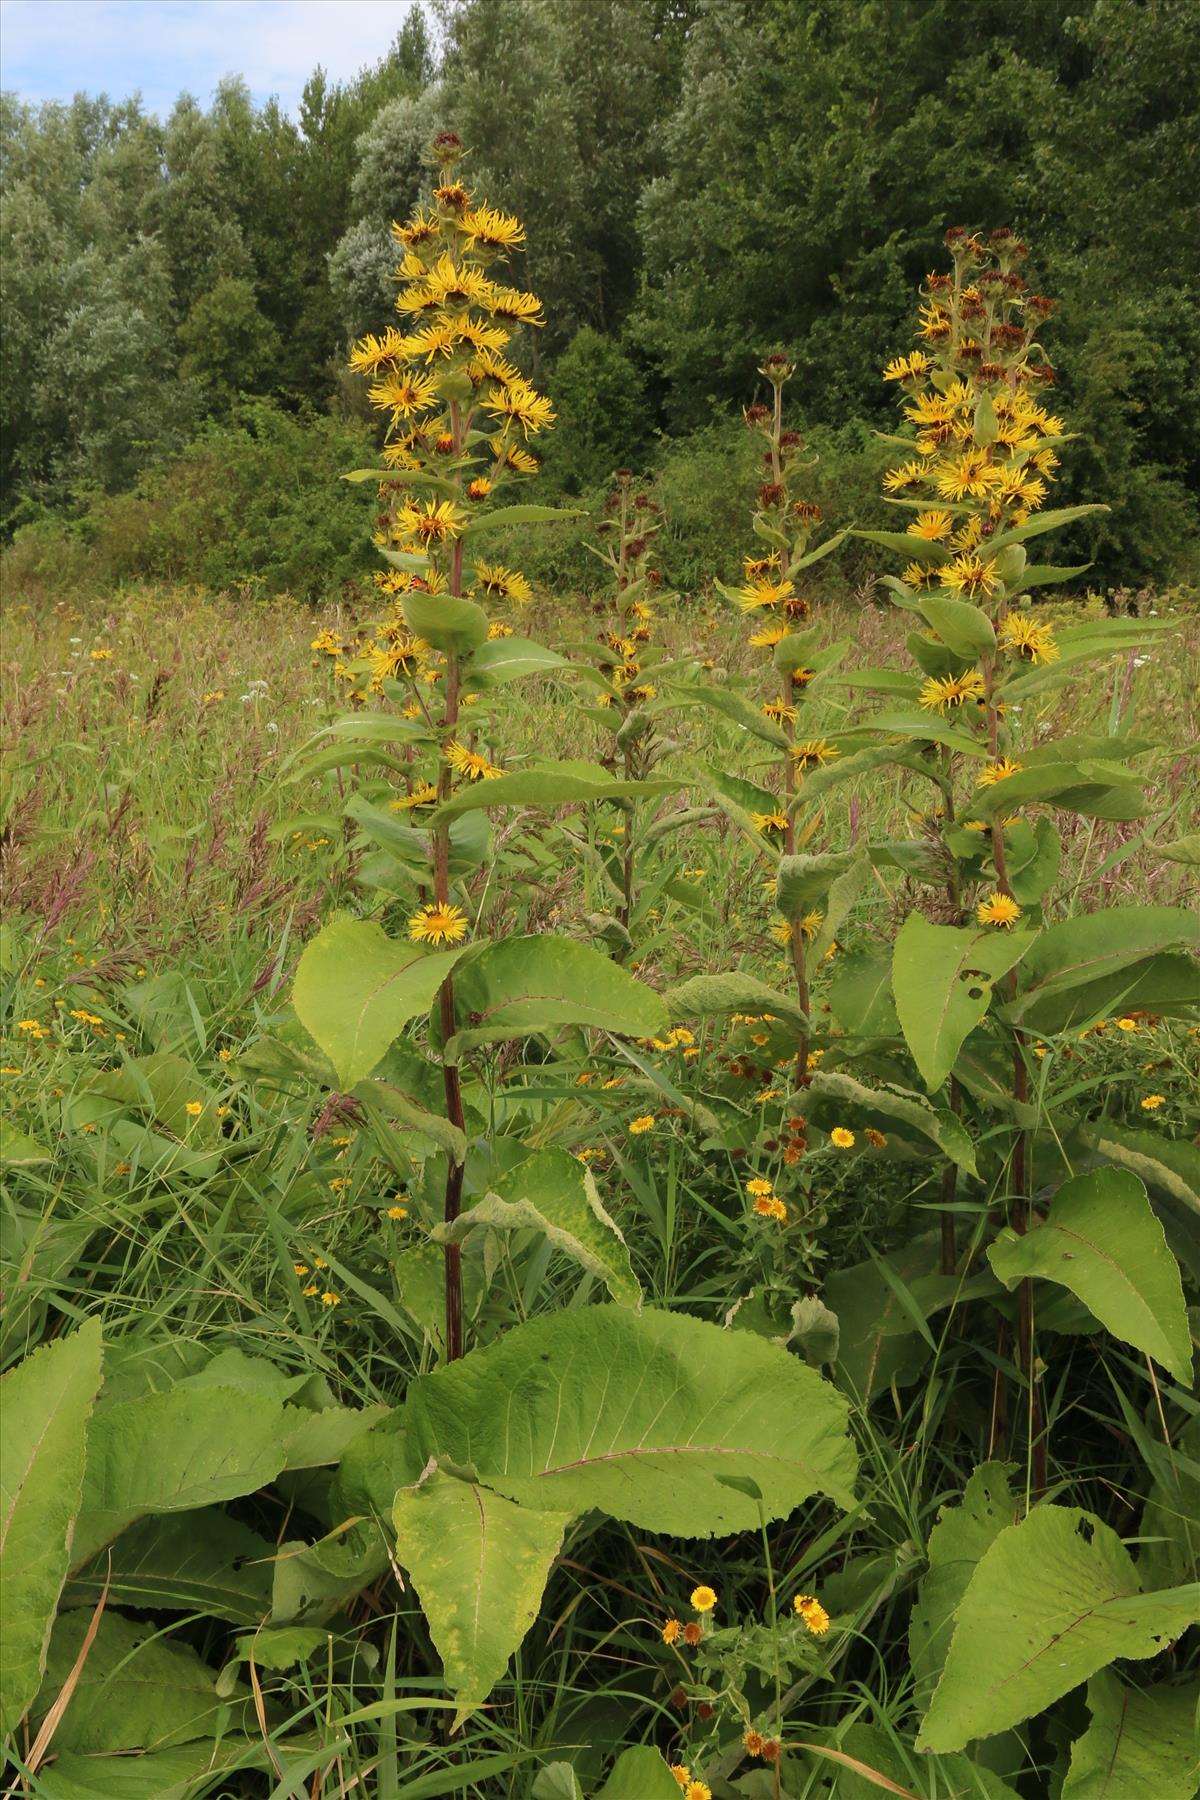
[640,1415]
[1080,967]
[1169,1164]
[1103,1241]
[540,983]
[479,1564]
[737,707]
[552,1192]
[803,880]
[522,513]
[547,784]
[942,979]
[956,1543]
[508,659]
[1140,1743]
[200,1562]
[356,989]
[44,1407]
[926,726]
[1041,522]
[702,996]
[907,543]
[1051,1601]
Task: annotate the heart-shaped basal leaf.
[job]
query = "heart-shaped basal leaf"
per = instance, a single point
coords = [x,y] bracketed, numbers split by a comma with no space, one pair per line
[356,989]
[532,984]
[1054,1599]
[552,1192]
[44,1407]
[1102,1239]
[639,1415]
[479,1564]
[942,978]
[1140,1744]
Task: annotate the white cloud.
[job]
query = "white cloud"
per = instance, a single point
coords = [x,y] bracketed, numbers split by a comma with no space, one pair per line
[50,49]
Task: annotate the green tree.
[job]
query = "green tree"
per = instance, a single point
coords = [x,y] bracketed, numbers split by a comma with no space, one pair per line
[229,348]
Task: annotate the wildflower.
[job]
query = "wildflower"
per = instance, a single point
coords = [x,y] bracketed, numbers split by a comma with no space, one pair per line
[644,1123]
[998,909]
[762,590]
[397,1212]
[932,525]
[842,1138]
[503,584]
[703,1599]
[758,1185]
[423,794]
[940,692]
[682,1773]
[471,763]
[1127,1024]
[339,1184]
[771,1207]
[753,1742]
[671,1631]
[875,1138]
[697,1790]
[693,1634]
[1152,1102]
[9,1069]
[1032,642]
[999,771]
[814,752]
[100,655]
[772,821]
[312,1290]
[213,696]
[436,522]
[225,1055]
[810,924]
[33,1027]
[813,1613]
[971,576]
[329,1298]
[438,923]
[300,1268]
[194,1108]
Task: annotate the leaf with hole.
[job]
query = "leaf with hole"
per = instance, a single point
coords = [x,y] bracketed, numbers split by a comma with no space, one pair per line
[942,979]
[1052,1600]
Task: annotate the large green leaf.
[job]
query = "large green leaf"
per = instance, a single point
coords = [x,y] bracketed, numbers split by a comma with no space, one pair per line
[1051,1601]
[168,1452]
[444,620]
[640,1774]
[956,1543]
[1103,1241]
[1140,1745]
[639,1415]
[44,1407]
[881,1305]
[196,1561]
[1080,968]
[942,979]
[552,1192]
[523,512]
[508,659]
[356,989]
[547,784]
[702,996]
[18,1149]
[739,708]
[136,1691]
[480,1565]
[963,628]
[180,1773]
[540,983]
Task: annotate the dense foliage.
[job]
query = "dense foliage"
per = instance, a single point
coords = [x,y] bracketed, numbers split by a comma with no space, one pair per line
[700,180]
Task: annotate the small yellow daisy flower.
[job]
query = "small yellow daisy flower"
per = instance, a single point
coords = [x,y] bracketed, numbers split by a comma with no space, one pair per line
[998,909]
[842,1138]
[438,923]
[1152,1102]
[194,1108]
[397,1212]
[644,1123]
[671,1631]
[809,1608]
[703,1599]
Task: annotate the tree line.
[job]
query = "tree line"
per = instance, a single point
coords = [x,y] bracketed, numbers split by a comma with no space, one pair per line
[700,180]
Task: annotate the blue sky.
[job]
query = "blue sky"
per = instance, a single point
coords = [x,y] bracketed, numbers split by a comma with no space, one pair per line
[51,49]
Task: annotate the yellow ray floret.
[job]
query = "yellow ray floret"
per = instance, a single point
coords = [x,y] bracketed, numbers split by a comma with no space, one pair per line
[438,923]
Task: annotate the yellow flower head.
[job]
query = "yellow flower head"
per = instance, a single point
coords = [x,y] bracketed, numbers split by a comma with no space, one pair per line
[471,763]
[697,1790]
[1031,641]
[194,1108]
[999,771]
[972,576]
[500,583]
[771,1207]
[940,692]
[813,1613]
[682,1773]
[671,1631]
[1152,1102]
[998,909]
[813,752]
[772,821]
[639,1125]
[397,1212]
[842,1138]
[438,923]
[703,1599]
[434,522]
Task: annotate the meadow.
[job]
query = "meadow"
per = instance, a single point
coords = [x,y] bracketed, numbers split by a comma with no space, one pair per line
[600,1185]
